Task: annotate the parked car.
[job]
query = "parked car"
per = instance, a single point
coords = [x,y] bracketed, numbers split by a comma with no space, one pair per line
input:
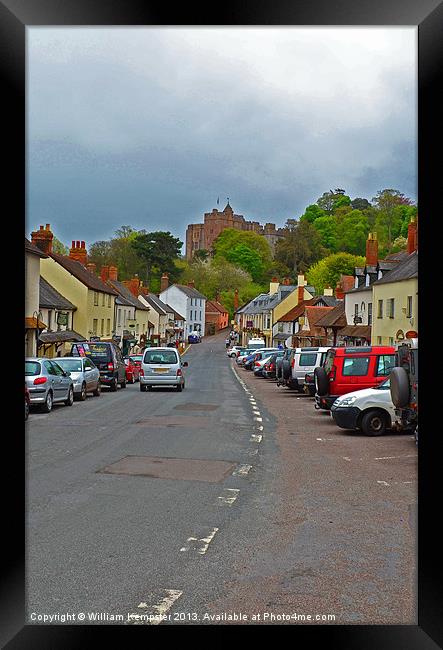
[27,402]
[269,367]
[370,410]
[137,359]
[404,384]
[233,352]
[108,358]
[256,344]
[84,374]
[243,356]
[259,365]
[162,367]
[302,361]
[47,383]
[132,370]
[194,337]
[257,356]
[351,368]
[283,361]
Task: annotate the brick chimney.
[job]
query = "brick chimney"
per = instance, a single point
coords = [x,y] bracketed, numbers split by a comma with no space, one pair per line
[113,273]
[78,252]
[143,290]
[91,267]
[372,249]
[286,282]
[412,236]
[164,282]
[236,300]
[301,288]
[134,285]
[43,239]
[191,284]
[339,293]
[104,273]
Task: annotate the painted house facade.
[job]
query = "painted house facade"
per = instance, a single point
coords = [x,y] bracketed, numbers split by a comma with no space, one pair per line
[33,320]
[186,300]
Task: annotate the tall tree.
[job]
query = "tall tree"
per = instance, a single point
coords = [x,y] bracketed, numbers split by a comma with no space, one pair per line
[327,271]
[299,248]
[159,251]
[59,247]
[386,201]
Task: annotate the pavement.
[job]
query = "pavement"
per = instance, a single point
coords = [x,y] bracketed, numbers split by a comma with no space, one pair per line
[230,502]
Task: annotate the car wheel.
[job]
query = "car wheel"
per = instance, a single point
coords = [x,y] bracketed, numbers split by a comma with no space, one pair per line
[179,388]
[82,395]
[113,385]
[70,400]
[321,381]
[98,390]
[142,388]
[123,383]
[26,410]
[374,423]
[47,406]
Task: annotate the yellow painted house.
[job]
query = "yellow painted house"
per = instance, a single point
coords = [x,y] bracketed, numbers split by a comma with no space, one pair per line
[95,300]
[297,295]
[395,303]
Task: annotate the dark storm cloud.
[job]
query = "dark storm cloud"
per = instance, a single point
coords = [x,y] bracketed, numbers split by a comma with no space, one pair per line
[148,126]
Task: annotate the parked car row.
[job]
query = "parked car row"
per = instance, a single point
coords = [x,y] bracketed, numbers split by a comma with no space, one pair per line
[367,388]
[93,365]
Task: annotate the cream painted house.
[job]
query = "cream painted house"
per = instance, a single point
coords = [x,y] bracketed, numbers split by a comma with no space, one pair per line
[395,303]
[33,258]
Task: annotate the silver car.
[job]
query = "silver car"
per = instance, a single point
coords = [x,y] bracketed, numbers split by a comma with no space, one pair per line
[162,367]
[48,383]
[84,374]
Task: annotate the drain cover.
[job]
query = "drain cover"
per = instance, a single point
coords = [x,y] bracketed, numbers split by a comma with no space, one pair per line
[184,469]
[189,406]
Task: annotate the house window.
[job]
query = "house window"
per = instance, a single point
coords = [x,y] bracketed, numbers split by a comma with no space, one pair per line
[378,340]
[103,299]
[391,340]
[96,298]
[380,309]
[356,309]
[108,326]
[390,308]
[409,307]
[200,315]
[109,300]
[369,313]
[94,325]
[119,317]
[102,328]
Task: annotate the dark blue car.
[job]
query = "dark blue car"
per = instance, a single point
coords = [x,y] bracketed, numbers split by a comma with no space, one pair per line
[194,338]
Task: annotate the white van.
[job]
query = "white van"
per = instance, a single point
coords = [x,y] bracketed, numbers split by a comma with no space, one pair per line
[370,410]
[256,344]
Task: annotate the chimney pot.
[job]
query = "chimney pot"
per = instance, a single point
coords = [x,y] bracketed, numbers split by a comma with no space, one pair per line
[41,228]
[112,273]
[42,239]
[104,274]
[48,227]
[372,249]
[164,282]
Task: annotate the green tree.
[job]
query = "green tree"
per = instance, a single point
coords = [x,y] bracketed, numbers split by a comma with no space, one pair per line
[312,213]
[327,228]
[399,244]
[59,247]
[230,237]
[100,254]
[300,247]
[352,232]
[247,259]
[388,221]
[159,252]
[360,204]
[201,254]
[327,271]
[330,201]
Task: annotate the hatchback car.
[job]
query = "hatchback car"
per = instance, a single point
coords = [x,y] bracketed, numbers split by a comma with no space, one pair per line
[84,374]
[162,367]
[108,358]
[194,337]
[48,383]
[370,410]
[132,370]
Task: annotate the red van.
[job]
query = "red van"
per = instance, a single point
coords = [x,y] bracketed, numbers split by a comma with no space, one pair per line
[348,369]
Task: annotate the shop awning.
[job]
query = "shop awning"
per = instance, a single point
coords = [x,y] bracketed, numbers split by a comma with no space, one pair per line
[356,331]
[31,323]
[65,336]
[280,336]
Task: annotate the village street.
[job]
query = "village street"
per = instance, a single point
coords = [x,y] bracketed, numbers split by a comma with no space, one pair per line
[250,503]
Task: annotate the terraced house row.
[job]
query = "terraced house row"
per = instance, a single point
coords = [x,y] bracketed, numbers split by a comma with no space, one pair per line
[376,305]
[67,300]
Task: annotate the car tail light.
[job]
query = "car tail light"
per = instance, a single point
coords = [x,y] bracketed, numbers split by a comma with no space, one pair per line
[110,366]
[39,380]
[271,366]
[179,373]
[142,372]
[293,362]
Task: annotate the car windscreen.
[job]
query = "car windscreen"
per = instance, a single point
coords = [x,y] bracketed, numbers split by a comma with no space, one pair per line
[99,351]
[72,365]
[32,368]
[160,356]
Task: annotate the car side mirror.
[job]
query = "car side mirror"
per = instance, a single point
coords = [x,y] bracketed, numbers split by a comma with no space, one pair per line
[88,369]
[185,364]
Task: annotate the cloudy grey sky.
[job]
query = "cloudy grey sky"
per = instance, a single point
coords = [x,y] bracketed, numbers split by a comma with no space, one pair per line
[148,126]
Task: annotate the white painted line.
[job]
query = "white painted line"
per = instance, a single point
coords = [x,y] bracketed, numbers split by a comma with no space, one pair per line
[389,457]
[346,458]
[256,412]
[156,612]
[324,439]
[259,427]
[256,438]
[241,470]
[228,497]
[383,483]
[253,452]
[199,544]
[258,419]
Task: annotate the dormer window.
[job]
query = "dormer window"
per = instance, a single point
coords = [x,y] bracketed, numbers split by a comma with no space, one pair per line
[367,279]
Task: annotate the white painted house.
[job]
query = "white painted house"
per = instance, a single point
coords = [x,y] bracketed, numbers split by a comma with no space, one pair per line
[189,302]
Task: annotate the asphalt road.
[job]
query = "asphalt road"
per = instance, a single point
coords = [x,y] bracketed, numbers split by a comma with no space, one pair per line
[272,521]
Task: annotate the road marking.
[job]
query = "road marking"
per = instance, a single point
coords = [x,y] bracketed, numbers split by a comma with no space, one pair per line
[324,439]
[255,438]
[157,611]
[383,483]
[199,544]
[346,458]
[228,497]
[388,457]
[258,419]
[256,412]
[259,427]
[241,470]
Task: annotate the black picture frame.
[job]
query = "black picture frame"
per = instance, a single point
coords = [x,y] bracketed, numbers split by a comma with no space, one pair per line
[427,15]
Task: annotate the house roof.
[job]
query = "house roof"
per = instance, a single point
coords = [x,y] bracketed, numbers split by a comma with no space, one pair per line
[77,269]
[314,314]
[299,309]
[190,291]
[215,306]
[399,256]
[125,296]
[34,250]
[362,331]
[336,317]
[404,270]
[177,316]
[50,298]
[61,337]
[158,305]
